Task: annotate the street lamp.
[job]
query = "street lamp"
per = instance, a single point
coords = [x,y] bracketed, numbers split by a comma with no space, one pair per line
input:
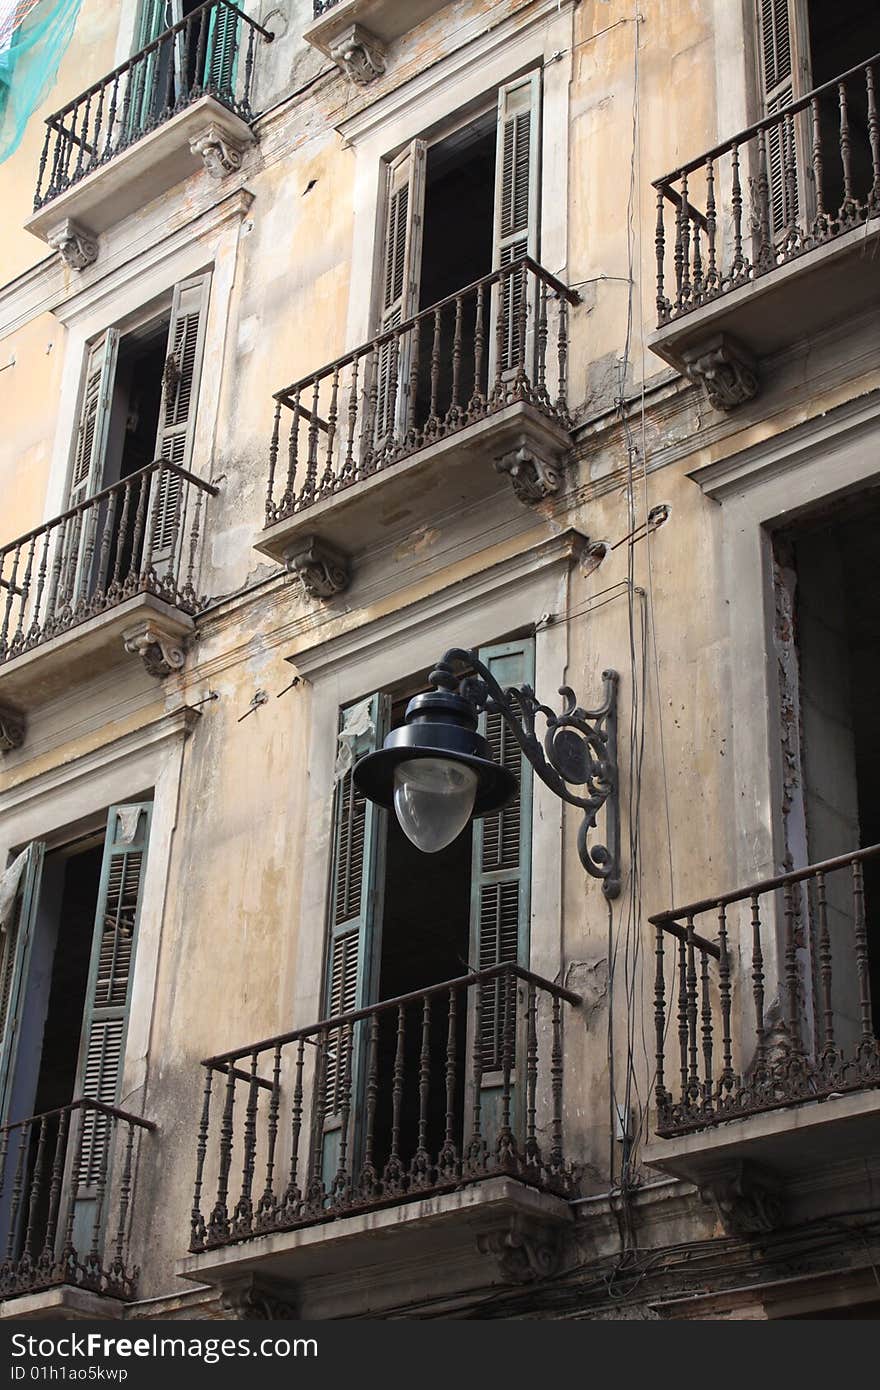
[438,773]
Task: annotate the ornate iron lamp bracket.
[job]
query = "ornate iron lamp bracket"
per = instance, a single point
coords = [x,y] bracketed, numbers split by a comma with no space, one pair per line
[579,749]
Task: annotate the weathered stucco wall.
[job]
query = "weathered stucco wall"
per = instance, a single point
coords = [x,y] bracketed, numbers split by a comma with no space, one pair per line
[233,934]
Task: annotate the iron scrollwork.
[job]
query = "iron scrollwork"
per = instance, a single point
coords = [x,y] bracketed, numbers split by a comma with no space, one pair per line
[579,749]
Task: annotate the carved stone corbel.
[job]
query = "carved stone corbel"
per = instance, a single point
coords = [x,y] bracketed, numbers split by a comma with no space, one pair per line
[724,371]
[76,247]
[524,1250]
[323,571]
[746,1199]
[533,475]
[161,652]
[12,730]
[220,153]
[359,54]
[259,1299]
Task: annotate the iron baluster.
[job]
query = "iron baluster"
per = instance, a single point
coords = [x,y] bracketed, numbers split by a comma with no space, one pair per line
[448,1159]
[792,1019]
[711,283]
[393,1176]
[197,1221]
[824,952]
[478,400]
[873,200]
[267,1201]
[244,1211]
[36,1190]
[368,1176]
[758,979]
[47,1254]
[659,1021]
[706,1030]
[293,1195]
[660,252]
[820,224]
[341,1194]
[726,1080]
[683,1019]
[219,1222]
[860,939]
[847,207]
[532,1152]
[327,480]
[420,1168]
[348,466]
[124,1201]
[557,1156]
[736,203]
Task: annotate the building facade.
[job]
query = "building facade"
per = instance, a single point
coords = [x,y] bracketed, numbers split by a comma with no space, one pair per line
[336,335]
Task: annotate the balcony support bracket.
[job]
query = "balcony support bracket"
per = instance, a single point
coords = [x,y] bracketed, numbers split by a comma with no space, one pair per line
[745,1197]
[12,730]
[323,571]
[524,1249]
[724,371]
[260,1299]
[359,54]
[76,247]
[534,473]
[161,650]
[219,151]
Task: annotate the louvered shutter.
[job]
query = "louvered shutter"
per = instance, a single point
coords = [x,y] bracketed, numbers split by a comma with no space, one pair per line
[15,952]
[354,912]
[147,87]
[186,337]
[501,879]
[517,166]
[221,53]
[784,68]
[401,269]
[105,1017]
[77,536]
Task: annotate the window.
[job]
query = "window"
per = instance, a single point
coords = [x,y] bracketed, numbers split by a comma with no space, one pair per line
[804,44]
[138,402]
[401,921]
[67,959]
[455,210]
[197,60]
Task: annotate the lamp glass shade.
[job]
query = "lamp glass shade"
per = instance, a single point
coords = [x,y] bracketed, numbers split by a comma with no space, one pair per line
[434,800]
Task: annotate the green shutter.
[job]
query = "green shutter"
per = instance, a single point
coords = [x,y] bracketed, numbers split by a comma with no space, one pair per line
[147,77]
[108,994]
[501,878]
[517,167]
[180,390]
[78,535]
[354,917]
[783,61]
[15,952]
[399,286]
[221,54]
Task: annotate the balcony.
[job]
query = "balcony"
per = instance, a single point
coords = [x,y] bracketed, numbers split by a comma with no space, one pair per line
[405,428]
[770,237]
[420,1129]
[66,1180]
[116,570]
[356,33]
[769,1033]
[180,103]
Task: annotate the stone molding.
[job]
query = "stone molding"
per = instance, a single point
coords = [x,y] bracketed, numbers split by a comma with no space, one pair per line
[76,247]
[322,570]
[724,372]
[359,54]
[219,151]
[161,650]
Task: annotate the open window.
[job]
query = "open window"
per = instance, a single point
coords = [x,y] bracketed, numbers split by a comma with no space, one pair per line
[68,949]
[401,922]
[202,55]
[456,208]
[803,44]
[138,403]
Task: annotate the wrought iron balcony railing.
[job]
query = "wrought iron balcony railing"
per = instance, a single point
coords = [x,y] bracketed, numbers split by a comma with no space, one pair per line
[500,340]
[66,1180]
[791,182]
[410,1097]
[320,7]
[209,53]
[804,1033]
[140,536]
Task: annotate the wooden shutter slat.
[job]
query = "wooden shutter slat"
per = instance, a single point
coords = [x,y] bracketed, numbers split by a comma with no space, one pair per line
[500,896]
[15,950]
[399,281]
[516,203]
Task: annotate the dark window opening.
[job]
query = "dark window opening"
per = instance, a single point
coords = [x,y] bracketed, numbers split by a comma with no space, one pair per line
[837,614]
[425,935]
[841,37]
[56,1079]
[456,250]
[131,445]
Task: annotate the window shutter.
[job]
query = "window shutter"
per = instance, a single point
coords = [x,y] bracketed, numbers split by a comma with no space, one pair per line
[500,880]
[354,911]
[146,77]
[517,165]
[105,1017]
[155,17]
[400,274]
[784,68]
[15,951]
[186,337]
[221,52]
[94,418]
